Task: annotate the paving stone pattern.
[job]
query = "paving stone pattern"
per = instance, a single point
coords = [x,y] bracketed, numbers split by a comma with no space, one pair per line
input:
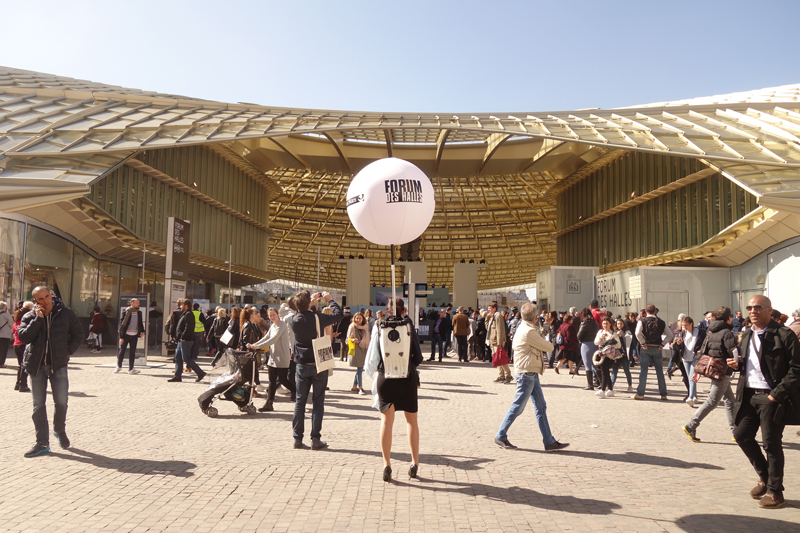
[144,458]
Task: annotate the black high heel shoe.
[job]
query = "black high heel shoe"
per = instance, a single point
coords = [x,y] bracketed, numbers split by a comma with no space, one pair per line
[412,472]
[387,473]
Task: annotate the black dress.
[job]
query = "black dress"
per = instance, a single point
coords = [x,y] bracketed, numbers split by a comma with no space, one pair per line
[401,392]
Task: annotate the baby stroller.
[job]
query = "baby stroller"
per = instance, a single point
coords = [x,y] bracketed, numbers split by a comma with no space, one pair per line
[235,385]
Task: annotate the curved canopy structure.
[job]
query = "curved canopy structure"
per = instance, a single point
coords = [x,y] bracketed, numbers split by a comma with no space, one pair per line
[495,174]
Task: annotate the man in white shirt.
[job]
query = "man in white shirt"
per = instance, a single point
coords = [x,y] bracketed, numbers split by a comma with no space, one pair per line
[767,397]
[131,329]
[529,348]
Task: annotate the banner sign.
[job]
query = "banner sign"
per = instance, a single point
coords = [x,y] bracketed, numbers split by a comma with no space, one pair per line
[177,249]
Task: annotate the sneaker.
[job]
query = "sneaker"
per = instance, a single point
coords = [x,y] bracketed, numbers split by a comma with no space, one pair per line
[758,491]
[500,379]
[361,392]
[317,444]
[298,445]
[555,446]
[609,394]
[134,371]
[118,370]
[689,402]
[24,388]
[354,389]
[62,439]
[260,388]
[38,449]
[637,397]
[692,434]
[733,438]
[505,444]
[508,380]
[630,389]
[772,501]
[663,397]
[600,393]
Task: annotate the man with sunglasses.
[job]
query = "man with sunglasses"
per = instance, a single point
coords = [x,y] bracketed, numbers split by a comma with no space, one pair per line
[767,397]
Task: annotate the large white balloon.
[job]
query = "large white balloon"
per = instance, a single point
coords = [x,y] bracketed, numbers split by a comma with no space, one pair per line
[390,201]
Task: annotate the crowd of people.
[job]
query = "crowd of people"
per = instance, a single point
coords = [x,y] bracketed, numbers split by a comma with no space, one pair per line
[760,348]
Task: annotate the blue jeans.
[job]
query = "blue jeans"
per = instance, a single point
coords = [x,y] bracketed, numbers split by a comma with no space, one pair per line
[184,355]
[437,340]
[359,379]
[645,355]
[626,366]
[59,382]
[528,386]
[692,385]
[587,351]
[307,377]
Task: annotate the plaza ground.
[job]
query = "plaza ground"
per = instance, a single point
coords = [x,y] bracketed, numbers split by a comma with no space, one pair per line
[144,458]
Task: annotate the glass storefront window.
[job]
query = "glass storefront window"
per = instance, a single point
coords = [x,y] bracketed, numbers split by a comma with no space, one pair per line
[154,286]
[48,262]
[108,294]
[84,283]
[129,280]
[11,236]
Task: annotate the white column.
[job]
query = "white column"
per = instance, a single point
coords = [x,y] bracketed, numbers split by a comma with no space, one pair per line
[465,284]
[358,281]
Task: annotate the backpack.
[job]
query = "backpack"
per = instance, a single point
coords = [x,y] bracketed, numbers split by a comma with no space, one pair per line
[652,328]
[395,341]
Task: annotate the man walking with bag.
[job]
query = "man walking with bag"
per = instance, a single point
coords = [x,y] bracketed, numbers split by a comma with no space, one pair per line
[529,348]
[304,327]
[496,338]
[767,397]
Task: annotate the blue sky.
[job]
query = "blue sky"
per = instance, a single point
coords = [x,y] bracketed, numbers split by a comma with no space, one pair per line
[467,56]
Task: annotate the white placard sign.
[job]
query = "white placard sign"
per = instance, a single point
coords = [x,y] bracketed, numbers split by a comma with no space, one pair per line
[635,286]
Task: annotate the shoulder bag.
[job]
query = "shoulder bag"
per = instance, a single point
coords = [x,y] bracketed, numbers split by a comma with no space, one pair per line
[323,351]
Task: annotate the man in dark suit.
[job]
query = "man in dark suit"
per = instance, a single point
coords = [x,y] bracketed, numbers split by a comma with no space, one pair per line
[767,397]
[448,330]
[131,329]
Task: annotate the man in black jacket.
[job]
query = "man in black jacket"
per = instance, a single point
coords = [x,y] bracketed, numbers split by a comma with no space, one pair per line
[653,334]
[304,326]
[767,397]
[340,334]
[721,344]
[53,333]
[131,329]
[184,334]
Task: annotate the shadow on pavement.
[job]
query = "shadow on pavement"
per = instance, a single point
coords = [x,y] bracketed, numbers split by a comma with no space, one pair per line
[702,523]
[455,391]
[129,466]
[567,504]
[634,458]
[425,459]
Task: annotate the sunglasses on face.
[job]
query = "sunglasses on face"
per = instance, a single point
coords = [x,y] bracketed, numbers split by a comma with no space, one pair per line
[755,307]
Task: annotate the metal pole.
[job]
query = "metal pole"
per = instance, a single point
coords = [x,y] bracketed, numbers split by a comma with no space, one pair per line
[317,267]
[394,295]
[144,256]
[230,265]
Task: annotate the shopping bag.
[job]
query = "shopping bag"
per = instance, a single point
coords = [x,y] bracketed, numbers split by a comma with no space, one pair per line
[500,357]
[323,351]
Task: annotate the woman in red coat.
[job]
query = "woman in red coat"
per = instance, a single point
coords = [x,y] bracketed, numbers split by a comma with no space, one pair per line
[569,344]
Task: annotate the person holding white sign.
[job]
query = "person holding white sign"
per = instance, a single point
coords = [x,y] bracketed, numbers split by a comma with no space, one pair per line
[307,326]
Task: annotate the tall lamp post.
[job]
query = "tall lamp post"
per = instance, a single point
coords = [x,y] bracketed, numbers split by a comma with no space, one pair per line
[230,265]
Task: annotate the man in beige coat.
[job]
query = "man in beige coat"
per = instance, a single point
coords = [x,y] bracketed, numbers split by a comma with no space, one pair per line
[496,336]
[529,348]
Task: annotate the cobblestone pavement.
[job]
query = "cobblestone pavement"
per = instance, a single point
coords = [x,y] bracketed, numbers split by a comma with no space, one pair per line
[144,458]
